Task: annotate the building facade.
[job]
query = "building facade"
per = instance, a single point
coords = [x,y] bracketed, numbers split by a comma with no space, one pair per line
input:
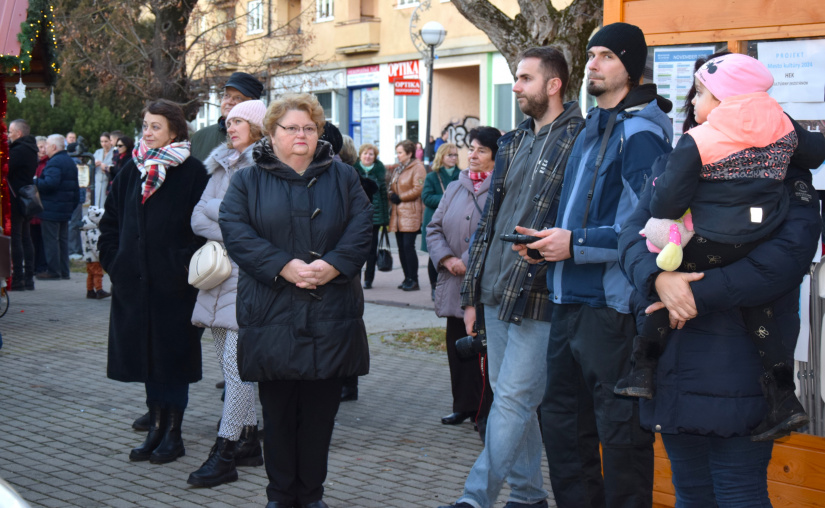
[359,58]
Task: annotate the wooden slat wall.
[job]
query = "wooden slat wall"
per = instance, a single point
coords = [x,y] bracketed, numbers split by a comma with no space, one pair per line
[668,22]
[796,474]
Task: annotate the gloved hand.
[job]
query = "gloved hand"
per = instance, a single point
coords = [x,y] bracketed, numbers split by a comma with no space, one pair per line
[395,198]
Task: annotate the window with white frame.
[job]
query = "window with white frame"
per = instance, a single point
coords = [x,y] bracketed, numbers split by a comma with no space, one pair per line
[329,101]
[254,17]
[323,10]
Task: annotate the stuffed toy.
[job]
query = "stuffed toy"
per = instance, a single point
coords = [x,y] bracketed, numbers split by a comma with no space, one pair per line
[668,238]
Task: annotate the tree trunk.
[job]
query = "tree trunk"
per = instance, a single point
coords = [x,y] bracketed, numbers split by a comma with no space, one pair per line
[539,24]
[168,53]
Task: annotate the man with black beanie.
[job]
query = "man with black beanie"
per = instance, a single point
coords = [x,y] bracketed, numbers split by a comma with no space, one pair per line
[239,87]
[592,327]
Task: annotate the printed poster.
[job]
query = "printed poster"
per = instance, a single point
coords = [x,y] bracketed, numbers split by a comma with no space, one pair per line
[673,75]
[798,69]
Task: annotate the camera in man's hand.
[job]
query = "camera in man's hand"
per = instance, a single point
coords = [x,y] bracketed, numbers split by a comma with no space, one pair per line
[470,347]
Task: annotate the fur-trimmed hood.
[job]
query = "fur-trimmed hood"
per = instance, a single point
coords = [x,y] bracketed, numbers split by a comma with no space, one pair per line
[222,157]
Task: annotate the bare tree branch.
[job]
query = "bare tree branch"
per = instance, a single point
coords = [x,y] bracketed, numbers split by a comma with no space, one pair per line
[538,24]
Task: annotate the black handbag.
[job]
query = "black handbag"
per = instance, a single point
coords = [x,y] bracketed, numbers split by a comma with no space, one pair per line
[383,261]
[29,200]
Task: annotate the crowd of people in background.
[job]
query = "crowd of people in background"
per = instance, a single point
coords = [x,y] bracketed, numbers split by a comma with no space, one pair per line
[300,210]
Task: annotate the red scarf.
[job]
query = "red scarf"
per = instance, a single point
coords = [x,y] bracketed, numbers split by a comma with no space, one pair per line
[477,177]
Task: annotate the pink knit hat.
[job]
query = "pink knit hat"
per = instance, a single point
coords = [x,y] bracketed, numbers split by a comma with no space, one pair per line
[734,74]
[251,111]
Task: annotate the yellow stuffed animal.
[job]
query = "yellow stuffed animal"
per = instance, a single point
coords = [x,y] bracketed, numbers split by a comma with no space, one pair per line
[668,238]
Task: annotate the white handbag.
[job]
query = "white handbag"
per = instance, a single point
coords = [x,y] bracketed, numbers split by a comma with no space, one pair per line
[209,266]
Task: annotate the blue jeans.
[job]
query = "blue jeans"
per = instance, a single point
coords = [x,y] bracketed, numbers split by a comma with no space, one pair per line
[512,448]
[719,472]
[56,246]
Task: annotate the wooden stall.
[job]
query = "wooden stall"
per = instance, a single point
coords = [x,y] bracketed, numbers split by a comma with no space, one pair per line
[796,475]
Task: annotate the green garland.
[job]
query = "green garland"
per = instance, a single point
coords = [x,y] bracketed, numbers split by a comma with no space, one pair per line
[39,24]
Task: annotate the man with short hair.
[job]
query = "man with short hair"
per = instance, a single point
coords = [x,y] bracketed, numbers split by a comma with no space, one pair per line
[59,192]
[239,88]
[524,190]
[103,162]
[71,137]
[23,160]
[592,325]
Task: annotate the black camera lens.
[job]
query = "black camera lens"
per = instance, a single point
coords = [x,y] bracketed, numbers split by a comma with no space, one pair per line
[469,346]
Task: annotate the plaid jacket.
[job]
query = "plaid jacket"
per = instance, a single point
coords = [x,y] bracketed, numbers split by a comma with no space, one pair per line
[525,295]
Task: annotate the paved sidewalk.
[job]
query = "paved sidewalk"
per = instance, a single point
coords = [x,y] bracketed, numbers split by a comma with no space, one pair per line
[65,428]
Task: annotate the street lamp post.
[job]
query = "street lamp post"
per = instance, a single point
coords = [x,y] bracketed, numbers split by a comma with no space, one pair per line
[433,35]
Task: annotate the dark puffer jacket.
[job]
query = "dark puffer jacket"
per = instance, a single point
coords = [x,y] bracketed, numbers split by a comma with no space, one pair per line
[58,188]
[23,160]
[271,215]
[707,382]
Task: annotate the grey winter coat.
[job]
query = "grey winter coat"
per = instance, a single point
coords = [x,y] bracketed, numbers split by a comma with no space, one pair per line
[271,215]
[215,308]
[449,233]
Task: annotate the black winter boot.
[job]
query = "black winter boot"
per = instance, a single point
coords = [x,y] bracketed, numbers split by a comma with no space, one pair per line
[17,283]
[171,447]
[219,468]
[785,412]
[248,450]
[156,426]
[142,423]
[644,359]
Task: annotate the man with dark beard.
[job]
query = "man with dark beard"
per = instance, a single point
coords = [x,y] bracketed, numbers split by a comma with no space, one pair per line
[592,325]
[524,191]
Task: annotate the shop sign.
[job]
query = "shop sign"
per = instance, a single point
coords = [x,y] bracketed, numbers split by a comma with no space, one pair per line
[408,87]
[403,70]
[367,75]
[309,81]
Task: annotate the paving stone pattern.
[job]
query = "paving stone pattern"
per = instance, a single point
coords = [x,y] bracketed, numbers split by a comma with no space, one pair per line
[65,429]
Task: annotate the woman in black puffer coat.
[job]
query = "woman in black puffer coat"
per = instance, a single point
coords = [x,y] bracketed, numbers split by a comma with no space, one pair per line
[298,225]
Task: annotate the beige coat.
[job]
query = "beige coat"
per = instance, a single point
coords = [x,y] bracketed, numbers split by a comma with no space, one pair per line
[407,183]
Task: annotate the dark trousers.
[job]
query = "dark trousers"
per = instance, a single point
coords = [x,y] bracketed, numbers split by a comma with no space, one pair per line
[713,471]
[587,352]
[369,271]
[75,244]
[56,246]
[39,255]
[22,248]
[407,254]
[432,273]
[471,390]
[171,395]
[298,420]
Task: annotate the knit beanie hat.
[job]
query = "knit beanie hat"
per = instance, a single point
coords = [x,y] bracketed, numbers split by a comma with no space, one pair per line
[251,111]
[628,42]
[734,74]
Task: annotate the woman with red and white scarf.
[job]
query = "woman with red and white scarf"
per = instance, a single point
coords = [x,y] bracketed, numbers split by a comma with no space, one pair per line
[448,242]
[146,242]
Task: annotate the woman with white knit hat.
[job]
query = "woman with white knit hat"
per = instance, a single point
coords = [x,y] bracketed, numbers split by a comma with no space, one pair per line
[237,443]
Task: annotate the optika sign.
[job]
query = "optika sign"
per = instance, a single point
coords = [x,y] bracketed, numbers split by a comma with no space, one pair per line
[403,70]
[408,87]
